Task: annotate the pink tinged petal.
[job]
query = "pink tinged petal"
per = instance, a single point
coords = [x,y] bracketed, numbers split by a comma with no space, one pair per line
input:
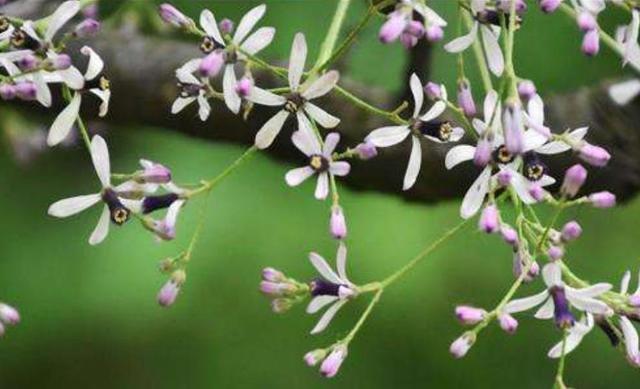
[341,263]
[100,158]
[210,26]
[479,126]
[563,348]
[327,317]
[340,168]
[630,338]
[415,160]
[305,127]
[624,284]
[459,154]
[248,21]
[330,143]
[324,269]
[264,97]
[491,105]
[418,94]
[388,136]
[526,303]
[535,109]
[181,103]
[73,205]
[297,60]
[552,275]
[322,85]
[308,145]
[102,229]
[462,43]
[456,134]
[60,17]
[96,64]
[229,82]
[436,110]
[474,197]
[105,97]
[319,302]
[533,139]
[492,49]
[322,187]
[185,72]
[43,94]
[622,93]
[72,77]
[591,291]
[297,176]
[522,187]
[258,40]
[63,124]
[594,306]
[271,129]
[323,118]
[546,311]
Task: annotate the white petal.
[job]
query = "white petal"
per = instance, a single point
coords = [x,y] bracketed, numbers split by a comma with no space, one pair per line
[429,15]
[526,303]
[184,73]
[304,142]
[456,134]
[341,262]
[491,105]
[474,197]
[72,77]
[102,229]
[264,97]
[533,139]
[324,269]
[630,337]
[535,109]
[43,94]
[319,302]
[322,117]
[522,186]
[258,40]
[388,136]
[330,144]
[546,311]
[73,205]
[271,129]
[436,110]
[594,306]
[96,64]
[459,154]
[327,316]
[592,290]
[229,82]
[492,49]
[181,103]
[322,187]
[415,160]
[305,126]
[340,168]
[572,341]
[418,94]
[100,158]
[247,23]
[210,26]
[552,274]
[624,285]
[297,176]
[64,122]
[105,97]
[297,61]
[322,85]
[204,108]
[622,93]
[60,17]
[462,43]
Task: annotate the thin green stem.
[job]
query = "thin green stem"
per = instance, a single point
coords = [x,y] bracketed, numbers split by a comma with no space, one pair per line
[332,35]
[392,116]
[363,318]
[479,55]
[561,363]
[208,185]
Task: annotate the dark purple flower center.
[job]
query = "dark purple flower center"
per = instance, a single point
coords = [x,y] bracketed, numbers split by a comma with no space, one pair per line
[534,168]
[319,163]
[562,311]
[189,90]
[322,287]
[435,128]
[22,40]
[154,203]
[492,17]
[119,213]
[502,155]
[209,44]
[294,102]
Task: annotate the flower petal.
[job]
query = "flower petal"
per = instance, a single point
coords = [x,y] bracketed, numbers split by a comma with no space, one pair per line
[462,43]
[552,275]
[73,205]
[322,187]
[327,317]
[210,26]
[319,302]
[415,160]
[264,97]
[100,158]
[492,49]
[322,117]
[324,269]
[64,122]
[459,154]
[308,145]
[96,64]
[60,17]
[258,40]
[623,92]
[271,129]
[297,60]
[105,97]
[102,228]
[340,168]
[526,303]
[388,136]
[624,284]
[341,263]
[43,94]
[546,311]
[594,306]
[229,82]
[330,144]
[573,340]
[630,338]
[297,176]
[72,77]
[204,108]
[322,85]
[248,21]
[474,197]
[181,103]
[436,110]
[305,126]
[592,290]
[418,94]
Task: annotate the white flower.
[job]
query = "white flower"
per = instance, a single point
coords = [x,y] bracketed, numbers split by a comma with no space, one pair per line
[95,83]
[320,160]
[192,90]
[556,301]
[418,126]
[628,330]
[490,36]
[575,336]
[114,208]
[298,101]
[332,288]
[627,38]
[241,43]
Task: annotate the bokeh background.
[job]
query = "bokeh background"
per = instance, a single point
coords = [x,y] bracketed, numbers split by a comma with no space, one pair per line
[90,318]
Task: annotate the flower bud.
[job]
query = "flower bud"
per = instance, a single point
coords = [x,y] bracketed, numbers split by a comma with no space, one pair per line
[434,33]
[86,28]
[508,323]
[490,219]
[526,89]
[594,155]
[155,173]
[7,92]
[312,358]
[392,28]
[462,345]
[408,40]
[244,86]
[537,193]
[168,293]
[602,199]
[470,315]
[586,21]
[415,28]
[504,177]
[226,26]
[171,15]
[509,235]
[548,6]
[9,315]
[61,62]
[366,150]
[273,275]
[465,99]
[505,6]
[281,305]
[331,365]
[338,223]
[26,90]
[555,253]
[574,178]
[28,62]
[591,43]
[433,90]
[571,231]
[276,289]
[634,300]
[211,64]
[482,154]
[90,11]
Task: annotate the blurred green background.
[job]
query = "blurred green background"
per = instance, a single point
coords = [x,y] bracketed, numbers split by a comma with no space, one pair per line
[90,318]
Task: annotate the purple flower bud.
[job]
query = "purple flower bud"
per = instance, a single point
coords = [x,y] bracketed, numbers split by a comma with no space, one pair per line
[408,41]
[274,288]
[482,155]
[7,92]
[594,155]
[537,192]
[211,64]
[465,99]
[509,235]
[490,219]
[591,43]
[461,346]
[602,199]
[415,28]
[331,365]
[168,294]
[513,128]
[9,315]
[273,275]
[61,62]
[313,357]
[434,33]
[504,177]
[26,90]
[574,178]
[28,62]
[586,21]
[534,271]
[226,26]
[155,173]
[90,11]
[86,28]
[571,231]
[526,89]
[433,90]
[634,300]
[171,15]
[392,28]
[470,315]
[505,6]
[338,223]
[244,86]
[555,253]
[366,150]
[548,6]
[508,323]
